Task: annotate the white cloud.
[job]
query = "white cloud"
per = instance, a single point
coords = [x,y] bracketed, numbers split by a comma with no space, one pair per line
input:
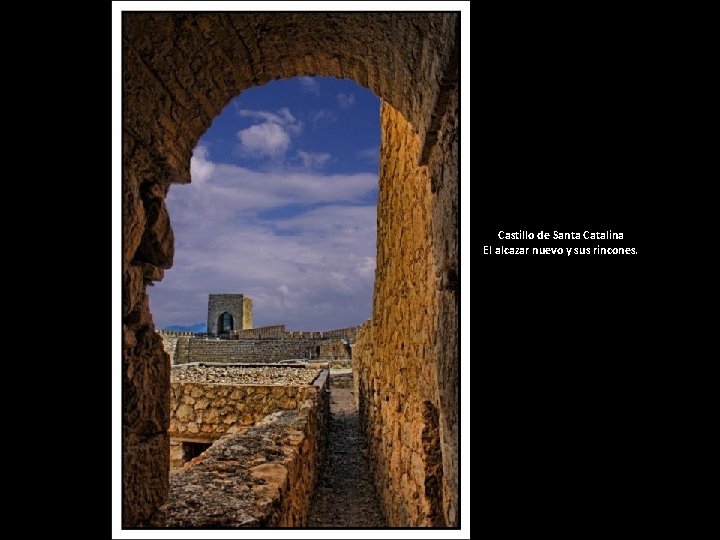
[232,236]
[346,100]
[313,160]
[323,117]
[200,167]
[283,116]
[264,140]
[370,155]
[310,85]
[272,137]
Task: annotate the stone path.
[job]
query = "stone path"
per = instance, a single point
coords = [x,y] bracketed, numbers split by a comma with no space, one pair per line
[345,495]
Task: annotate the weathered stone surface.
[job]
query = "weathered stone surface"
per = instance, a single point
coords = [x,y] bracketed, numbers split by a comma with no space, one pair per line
[143,479]
[345,494]
[407,348]
[146,372]
[180,70]
[283,378]
[197,411]
[237,305]
[133,288]
[251,351]
[263,475]
[444,174]
[184,349]
[157,246]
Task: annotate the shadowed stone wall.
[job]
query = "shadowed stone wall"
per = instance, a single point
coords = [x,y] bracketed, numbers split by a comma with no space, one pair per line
[256,476]
[399,354]
[180,70]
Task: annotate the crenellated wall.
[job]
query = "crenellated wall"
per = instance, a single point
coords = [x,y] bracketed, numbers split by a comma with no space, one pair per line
[185,349]
[267,331]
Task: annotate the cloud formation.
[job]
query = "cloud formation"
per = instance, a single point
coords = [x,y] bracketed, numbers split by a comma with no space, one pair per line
[323,117]
[371,155]
[200,168]
[264,140]
[293,241]
[313,160]
[270,138]
[346,100]
[309,85]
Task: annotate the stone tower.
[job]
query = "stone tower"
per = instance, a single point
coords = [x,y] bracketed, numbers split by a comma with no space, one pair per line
[227,312]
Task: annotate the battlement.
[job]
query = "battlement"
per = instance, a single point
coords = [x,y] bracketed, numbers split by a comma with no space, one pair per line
[176,333]
[263,331]
[279,332]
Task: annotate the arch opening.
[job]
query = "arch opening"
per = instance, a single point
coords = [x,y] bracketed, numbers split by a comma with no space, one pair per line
[225,323]
[281,209]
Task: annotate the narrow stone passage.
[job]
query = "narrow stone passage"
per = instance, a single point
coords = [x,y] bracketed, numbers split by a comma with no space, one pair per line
[345,495]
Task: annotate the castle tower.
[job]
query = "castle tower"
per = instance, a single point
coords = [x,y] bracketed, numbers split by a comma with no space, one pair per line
[227,312]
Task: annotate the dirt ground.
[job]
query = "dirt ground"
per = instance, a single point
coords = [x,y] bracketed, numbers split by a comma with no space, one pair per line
[345,495]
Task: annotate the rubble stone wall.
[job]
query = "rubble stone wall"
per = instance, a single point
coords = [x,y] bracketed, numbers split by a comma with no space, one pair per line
[334,349]
[204,412]
[406,356]
[244,350]
[258,476]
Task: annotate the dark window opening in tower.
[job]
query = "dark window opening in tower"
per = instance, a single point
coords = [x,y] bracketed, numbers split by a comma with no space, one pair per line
[225,324]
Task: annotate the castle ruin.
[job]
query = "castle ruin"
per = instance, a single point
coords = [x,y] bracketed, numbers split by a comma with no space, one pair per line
[226,344]
[227,313]
[179,71]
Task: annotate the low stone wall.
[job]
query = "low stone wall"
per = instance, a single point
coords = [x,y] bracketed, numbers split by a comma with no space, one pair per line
[205,412]
[240,351]
[259,476]
[184,349]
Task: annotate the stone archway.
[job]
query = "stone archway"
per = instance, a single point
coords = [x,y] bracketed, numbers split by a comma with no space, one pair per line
[179,71]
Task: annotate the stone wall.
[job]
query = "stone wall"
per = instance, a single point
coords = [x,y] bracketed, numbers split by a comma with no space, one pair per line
[278,331]
[176,346]
[444,172]
[259,476]
[237,305]
[204,412]
[185,350]
[267,331]
[247,319]
[169,341]
[175,333]
[407,350]
[334,349]
[251,351]
[179,71]
[350,332]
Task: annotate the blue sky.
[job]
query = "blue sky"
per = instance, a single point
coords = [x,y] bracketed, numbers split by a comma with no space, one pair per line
[281,207]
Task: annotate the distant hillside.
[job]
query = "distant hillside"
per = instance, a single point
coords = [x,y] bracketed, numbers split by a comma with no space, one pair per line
[199,328]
